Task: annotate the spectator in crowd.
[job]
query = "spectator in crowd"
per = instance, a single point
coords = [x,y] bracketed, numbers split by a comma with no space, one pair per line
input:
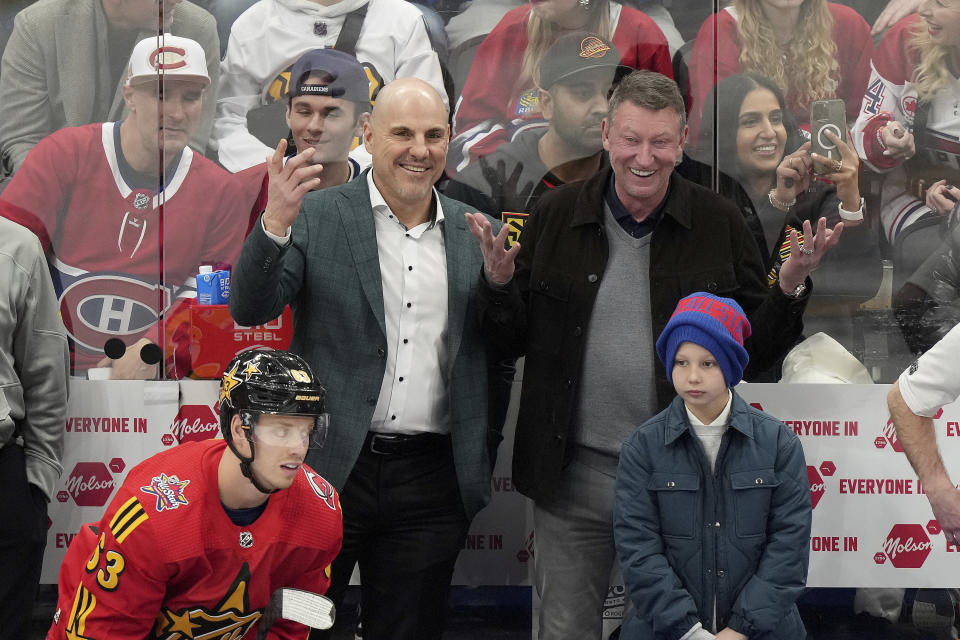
[674,476]
[907,128]
[124,231]
[811,49]
[500,97]
[927,306]
[599,268]
[921,391]
[381,273]
[34,367]
[328,99]
[883,16]
[199,538]
[64,66]
[387,36]
[573,93]
[758,146]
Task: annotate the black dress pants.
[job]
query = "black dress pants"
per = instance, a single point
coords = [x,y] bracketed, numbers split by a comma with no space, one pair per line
[23,536]
[404,524]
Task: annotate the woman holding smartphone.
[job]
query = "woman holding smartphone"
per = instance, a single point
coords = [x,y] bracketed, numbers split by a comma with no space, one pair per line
[761,149]
[811,49]
[908,125]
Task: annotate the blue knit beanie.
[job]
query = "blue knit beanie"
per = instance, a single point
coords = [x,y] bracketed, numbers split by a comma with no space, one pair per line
[716,324]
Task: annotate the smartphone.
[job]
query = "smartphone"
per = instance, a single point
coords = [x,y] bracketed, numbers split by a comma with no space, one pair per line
[826,115]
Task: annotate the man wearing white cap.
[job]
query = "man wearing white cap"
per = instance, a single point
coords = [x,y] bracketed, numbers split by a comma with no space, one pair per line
[65,64]
[127,212]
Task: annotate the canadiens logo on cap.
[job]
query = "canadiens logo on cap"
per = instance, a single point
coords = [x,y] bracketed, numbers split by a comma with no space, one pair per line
[593,47]
[168,58]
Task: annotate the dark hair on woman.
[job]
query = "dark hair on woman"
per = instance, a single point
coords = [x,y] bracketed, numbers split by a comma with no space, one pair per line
[732,91]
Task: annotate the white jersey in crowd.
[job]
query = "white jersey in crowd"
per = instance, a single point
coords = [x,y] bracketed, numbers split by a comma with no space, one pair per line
[271,35]
[932,381]
[891,95]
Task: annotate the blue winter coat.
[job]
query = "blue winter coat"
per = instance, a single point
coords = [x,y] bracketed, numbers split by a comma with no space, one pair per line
[684,534]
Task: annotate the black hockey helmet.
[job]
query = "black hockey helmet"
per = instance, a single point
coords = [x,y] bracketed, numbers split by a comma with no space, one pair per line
[270,381]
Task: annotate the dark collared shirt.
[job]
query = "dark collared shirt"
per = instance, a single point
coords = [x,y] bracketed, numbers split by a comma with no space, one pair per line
[627,221]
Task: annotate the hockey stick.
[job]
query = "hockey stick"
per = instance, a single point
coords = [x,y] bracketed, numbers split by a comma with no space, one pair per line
[310,609]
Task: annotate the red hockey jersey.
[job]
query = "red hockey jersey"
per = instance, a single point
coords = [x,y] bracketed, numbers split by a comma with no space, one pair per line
[167,562]
[121,254]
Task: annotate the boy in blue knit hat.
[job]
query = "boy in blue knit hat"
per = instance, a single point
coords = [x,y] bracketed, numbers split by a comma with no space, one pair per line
[712,507]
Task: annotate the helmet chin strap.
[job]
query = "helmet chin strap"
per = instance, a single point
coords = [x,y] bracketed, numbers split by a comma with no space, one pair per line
[246,465]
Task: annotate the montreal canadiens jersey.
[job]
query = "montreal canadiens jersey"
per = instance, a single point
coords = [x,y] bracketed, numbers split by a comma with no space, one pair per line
[120,255]
[167,562]
[891,95]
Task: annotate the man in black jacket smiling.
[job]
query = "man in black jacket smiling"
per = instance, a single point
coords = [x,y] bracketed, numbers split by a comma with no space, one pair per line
[598,270]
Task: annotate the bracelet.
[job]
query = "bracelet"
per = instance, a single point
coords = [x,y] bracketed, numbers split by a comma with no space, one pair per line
[851,216]
[778,203]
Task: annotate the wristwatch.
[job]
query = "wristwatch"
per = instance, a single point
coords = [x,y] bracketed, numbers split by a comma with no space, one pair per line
[796,293]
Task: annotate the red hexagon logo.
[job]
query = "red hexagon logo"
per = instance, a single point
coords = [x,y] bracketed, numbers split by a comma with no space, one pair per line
[62,496]
[879,557]
[90,484]
[907,546]
[117,465]
[890,433]
[828,468]
[934,527]
[817,487]
[195,422]
[880,442]
[167,439]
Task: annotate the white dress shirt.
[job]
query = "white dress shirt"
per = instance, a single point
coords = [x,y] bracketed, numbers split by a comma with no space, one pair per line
[413,272]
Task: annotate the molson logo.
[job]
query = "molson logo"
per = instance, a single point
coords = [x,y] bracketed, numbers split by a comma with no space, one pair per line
[817,486]
[907,546]
[195,422]
[90,484]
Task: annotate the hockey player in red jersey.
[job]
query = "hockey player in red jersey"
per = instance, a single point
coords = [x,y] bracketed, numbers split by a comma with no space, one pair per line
[127,212]
[200,536]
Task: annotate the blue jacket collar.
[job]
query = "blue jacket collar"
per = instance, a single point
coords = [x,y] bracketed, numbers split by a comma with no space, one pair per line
[678,423]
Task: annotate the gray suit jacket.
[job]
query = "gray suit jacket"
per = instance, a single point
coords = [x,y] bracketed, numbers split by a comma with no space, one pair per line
[330,275]
[55,73]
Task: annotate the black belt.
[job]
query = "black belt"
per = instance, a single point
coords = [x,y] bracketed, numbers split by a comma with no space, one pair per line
[397,444]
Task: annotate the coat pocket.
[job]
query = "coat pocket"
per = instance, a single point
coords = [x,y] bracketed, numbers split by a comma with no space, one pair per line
[549,311]
[752,492]
[677,496]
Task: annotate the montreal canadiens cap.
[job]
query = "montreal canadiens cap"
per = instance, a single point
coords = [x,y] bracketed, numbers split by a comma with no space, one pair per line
[346,77]
[167,55]
[576,52]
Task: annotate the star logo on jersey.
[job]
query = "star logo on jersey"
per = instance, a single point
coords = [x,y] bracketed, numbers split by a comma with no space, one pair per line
[322,488]
[168,490]
[229,382]
[230,618]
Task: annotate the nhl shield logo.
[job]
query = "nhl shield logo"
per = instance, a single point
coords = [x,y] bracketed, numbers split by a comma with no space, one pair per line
[141,201]
[246,539]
